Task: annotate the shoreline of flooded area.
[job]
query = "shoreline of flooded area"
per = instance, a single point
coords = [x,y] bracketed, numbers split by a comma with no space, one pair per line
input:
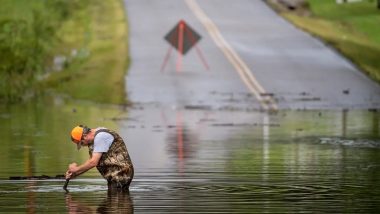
[196,160]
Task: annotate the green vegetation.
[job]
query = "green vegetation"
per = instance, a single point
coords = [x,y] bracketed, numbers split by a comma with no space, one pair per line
[98,36]
[352,28]
[26,35]
[87,36]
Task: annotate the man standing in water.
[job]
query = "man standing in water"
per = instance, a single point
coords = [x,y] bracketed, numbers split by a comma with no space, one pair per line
[107,152]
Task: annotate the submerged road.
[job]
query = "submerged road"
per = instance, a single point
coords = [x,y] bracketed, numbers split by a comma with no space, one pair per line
[248,58]
[197,135]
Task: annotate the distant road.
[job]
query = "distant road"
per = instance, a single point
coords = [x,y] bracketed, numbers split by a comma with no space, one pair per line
[256,60]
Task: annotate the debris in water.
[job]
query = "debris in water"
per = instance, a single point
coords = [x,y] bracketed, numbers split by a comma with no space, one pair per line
[36,177]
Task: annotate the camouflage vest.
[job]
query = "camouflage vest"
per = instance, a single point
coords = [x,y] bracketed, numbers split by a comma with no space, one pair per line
[115,165]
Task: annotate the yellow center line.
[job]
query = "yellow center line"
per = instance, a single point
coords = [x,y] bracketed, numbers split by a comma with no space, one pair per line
[245,74]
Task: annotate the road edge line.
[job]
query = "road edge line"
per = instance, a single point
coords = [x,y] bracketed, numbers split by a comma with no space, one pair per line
[241,68]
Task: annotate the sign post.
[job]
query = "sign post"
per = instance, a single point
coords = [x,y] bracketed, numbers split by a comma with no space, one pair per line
[182,37]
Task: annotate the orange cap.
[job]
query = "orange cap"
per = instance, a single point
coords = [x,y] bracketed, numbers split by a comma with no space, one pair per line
[76,134]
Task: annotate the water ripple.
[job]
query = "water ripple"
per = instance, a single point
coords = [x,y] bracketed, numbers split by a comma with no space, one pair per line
[361,143]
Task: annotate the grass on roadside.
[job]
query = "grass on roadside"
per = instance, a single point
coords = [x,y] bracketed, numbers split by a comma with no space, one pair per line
[351,28]
[94,42]
[27,35]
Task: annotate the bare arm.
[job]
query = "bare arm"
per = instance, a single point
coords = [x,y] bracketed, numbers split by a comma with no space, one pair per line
[75,170]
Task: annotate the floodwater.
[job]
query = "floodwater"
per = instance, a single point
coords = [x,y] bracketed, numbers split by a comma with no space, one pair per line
[195,159]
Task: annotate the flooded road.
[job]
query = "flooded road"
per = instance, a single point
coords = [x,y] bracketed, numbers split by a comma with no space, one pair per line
[202,141]
[194,160]
[201,137]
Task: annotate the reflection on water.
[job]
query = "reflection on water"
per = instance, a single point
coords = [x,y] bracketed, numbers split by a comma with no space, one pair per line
[119,202]
[88,196]
[35,136]
[194,160]
[181,142]
[237,161]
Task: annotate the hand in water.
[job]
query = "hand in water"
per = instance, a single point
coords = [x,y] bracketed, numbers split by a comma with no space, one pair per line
[68,174]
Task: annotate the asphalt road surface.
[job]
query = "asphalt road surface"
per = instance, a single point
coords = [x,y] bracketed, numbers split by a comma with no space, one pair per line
[248,58]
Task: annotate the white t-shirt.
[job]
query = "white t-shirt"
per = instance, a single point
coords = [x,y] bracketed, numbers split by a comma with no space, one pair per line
[102,142]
